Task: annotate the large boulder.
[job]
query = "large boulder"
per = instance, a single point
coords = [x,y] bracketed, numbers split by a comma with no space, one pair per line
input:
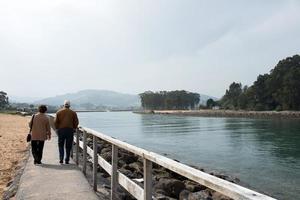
[127,157]
[193,187]
[132,170]
[163,197]
[171,187]
[160,173]
[136,166]
[105,150]
[184,195]
[202,195]
[219,196]
[106,156]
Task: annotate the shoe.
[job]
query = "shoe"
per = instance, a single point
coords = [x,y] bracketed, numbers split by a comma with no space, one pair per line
[34,162]
[67,162]
[61,162]
[39,162]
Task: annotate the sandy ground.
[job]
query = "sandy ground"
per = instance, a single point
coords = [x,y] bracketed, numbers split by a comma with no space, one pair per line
[13,146]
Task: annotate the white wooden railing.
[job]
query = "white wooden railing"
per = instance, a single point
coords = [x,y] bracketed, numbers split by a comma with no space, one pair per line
[226,188]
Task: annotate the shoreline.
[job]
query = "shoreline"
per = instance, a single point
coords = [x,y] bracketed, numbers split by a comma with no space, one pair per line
[227,113]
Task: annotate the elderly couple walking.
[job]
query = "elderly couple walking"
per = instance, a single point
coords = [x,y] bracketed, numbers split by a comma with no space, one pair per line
[66,122]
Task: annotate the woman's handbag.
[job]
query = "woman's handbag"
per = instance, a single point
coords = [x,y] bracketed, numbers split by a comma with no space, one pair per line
[28,139]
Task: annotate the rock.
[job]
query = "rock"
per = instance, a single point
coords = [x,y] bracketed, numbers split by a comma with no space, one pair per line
[175,175]
[105,150]
[184,195]
[122,194]
[106,145]
[131,171]
[202,195]
[136,166]
[105,175]
[172,187]
[100,169]
[219,196]
[193,187]
[107,156]
[225,177]
[127,173]
[90,163]
[89,141]
[163,197]
[128,157]
[121,163]
[160,173]
[160,192]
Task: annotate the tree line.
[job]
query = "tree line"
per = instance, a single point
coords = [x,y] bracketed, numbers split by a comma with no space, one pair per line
[5,105]
[3,100]
[277,90]
[169,100]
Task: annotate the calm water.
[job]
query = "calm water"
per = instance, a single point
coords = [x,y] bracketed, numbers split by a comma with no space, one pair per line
[263,154]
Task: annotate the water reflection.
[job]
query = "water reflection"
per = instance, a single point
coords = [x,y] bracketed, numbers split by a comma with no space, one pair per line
[162,125]
[280,137]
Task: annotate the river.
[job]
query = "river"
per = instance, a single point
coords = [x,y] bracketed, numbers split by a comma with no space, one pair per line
[263,153]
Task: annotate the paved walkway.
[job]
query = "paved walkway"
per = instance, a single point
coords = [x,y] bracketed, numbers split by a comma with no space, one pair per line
[52,180]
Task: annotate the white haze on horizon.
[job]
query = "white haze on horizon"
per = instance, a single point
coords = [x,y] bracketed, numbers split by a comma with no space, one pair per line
[54,47]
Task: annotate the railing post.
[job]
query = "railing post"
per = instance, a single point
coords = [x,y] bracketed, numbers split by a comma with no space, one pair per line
[77,147]
[114,173]
[84,152]
[95,162]
[72,149]
[147,179]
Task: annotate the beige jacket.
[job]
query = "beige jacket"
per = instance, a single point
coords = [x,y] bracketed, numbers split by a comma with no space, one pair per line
[40,127]
[66,118]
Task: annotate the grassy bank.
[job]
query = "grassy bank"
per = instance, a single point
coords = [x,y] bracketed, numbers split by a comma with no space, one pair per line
[13,147]
[226,113]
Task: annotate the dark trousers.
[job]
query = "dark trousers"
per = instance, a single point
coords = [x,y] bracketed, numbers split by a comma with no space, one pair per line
[37,150]
[65,138]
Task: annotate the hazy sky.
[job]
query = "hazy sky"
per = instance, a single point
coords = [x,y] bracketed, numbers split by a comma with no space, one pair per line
[53,47]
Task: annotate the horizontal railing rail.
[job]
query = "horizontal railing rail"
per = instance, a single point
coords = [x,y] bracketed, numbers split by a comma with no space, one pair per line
[224,187]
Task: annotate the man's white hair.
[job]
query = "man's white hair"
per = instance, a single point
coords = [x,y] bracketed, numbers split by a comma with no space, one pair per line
[67,103]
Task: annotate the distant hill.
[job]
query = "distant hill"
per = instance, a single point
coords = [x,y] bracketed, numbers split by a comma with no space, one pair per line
[18,99]
[101,99]
[94,99]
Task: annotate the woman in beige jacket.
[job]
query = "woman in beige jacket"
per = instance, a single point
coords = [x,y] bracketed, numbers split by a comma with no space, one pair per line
[39,133]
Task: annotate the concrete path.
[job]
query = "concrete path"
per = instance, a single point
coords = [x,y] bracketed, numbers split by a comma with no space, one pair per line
[52,180]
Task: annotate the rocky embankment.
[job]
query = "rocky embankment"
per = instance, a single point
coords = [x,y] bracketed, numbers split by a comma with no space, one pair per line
[227,113]
[167,185]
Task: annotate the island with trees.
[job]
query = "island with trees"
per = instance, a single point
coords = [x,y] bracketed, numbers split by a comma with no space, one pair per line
[169,100]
